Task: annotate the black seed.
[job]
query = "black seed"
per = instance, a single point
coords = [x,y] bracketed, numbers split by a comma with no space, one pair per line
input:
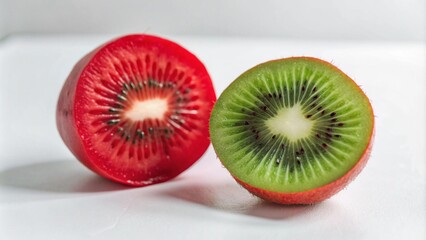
[270,95]
[323,112]
[298,162]
[132,85]
[120,129]
[337,135]
[246,123]
[282,146]
[314,90]
[257,136]
[275,95]
[309,116]
[253,131]
[181,121]
[264,108]
[340,124]
[253,113]
[280,96]
[328,135]
[126,86]
[113,121]
[297,153]
[113,110]
[318,136]
[274,136]
[324,145]
[187,90]
[140,133]
[319,108]
[121,97]
[332,114]
[278,161]
[313,105]
[302,151]
[303,88]
[315,97]
[329,130]
[334,120]
[127,137]
[124,92]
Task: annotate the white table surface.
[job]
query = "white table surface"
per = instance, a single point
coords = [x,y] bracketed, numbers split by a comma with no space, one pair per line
[46,194]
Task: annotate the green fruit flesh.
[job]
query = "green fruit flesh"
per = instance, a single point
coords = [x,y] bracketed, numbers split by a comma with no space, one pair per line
[291,125]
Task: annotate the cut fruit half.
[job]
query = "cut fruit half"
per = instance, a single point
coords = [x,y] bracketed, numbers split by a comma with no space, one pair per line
[293,130]
[136,109]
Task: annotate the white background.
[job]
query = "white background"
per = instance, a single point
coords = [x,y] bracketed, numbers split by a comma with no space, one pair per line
[302,19]
[46,194]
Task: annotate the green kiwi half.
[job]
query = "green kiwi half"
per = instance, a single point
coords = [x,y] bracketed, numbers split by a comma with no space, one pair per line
[291,125]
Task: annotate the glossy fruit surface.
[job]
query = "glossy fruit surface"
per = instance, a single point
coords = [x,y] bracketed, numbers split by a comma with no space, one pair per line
[294,130]
[135,110]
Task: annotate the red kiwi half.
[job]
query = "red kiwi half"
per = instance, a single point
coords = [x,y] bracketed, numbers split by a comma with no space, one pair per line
[293,131]
[135,110]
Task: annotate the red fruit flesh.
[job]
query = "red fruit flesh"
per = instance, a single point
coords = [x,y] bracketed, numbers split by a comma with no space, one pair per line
[136,110]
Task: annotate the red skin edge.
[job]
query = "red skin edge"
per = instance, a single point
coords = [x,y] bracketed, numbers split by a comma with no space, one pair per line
[324,192]
[66,122]
[314,195]
[65,115]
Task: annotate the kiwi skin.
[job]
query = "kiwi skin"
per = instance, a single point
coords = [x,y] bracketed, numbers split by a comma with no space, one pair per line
[315,195]
[69,109]
[324,192]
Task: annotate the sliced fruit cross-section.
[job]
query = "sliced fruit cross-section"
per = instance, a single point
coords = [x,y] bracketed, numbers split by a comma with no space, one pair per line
[136,109]
[294,130]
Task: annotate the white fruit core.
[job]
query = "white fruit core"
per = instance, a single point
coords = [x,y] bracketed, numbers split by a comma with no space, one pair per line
[291,123]
[153,108]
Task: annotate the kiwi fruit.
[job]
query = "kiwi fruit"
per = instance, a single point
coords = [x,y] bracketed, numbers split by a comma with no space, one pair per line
[294,130]
[136,110]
